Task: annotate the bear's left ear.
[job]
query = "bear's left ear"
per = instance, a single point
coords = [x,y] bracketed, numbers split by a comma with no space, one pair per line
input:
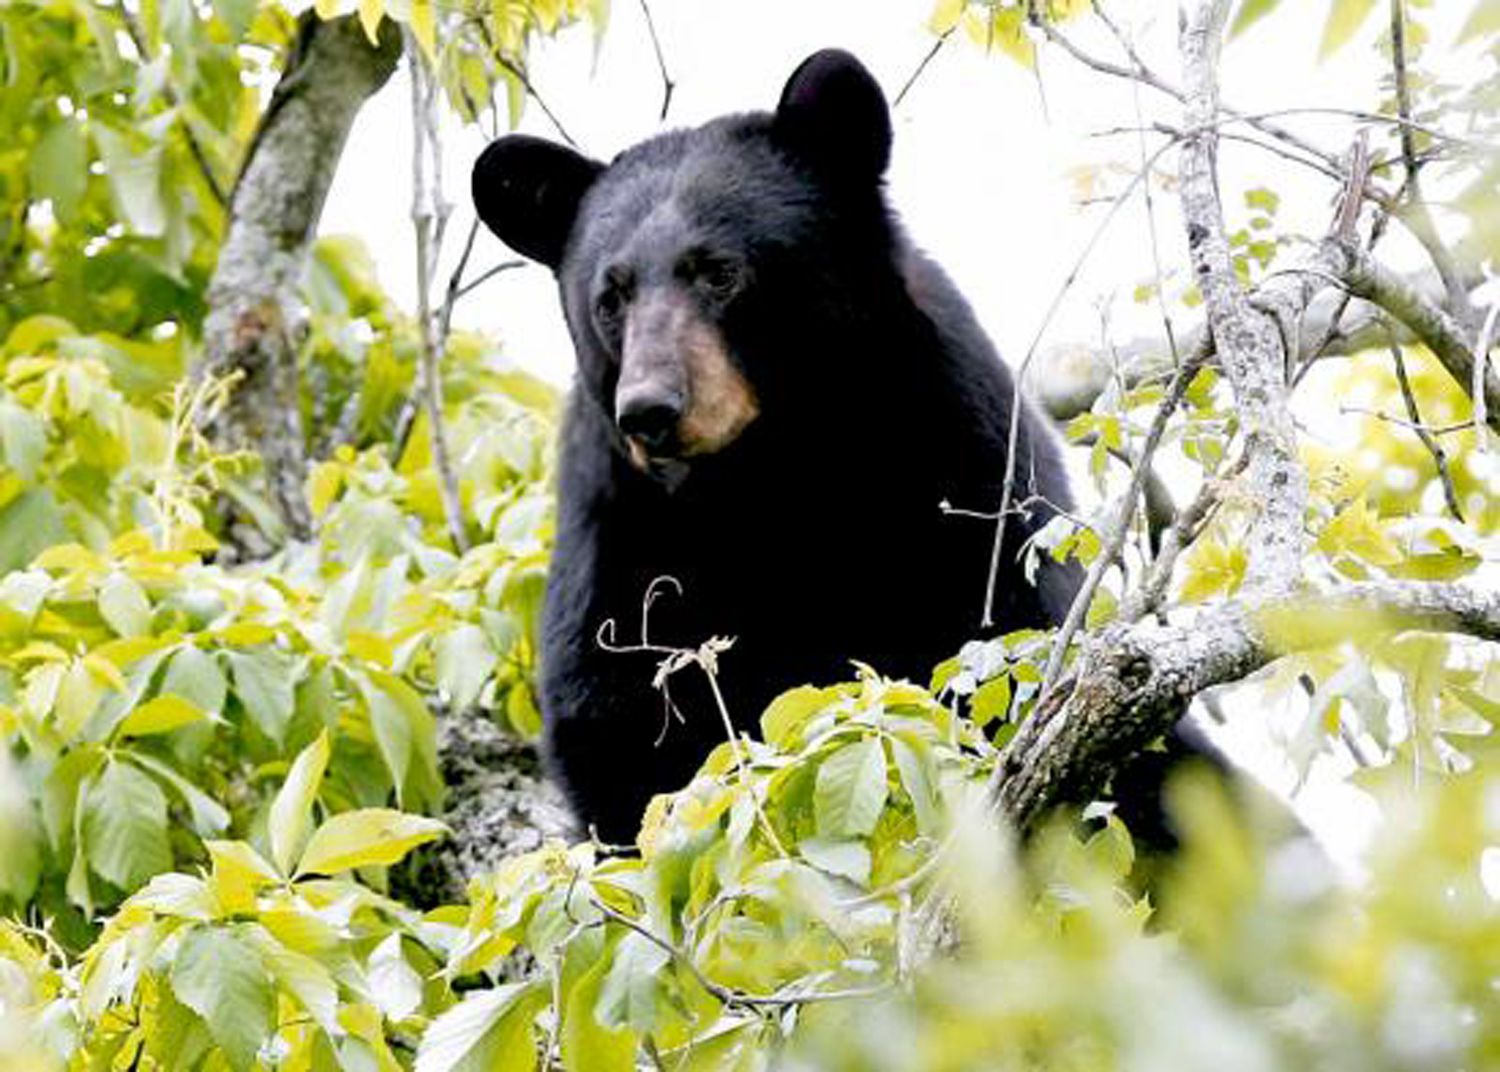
[833,113]
[527,190]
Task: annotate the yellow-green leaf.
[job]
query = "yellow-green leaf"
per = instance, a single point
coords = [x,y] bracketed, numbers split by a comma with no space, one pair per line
[163,714]
[1345,17]
[292,810]
[1211,568]
[370,14]
[364,838]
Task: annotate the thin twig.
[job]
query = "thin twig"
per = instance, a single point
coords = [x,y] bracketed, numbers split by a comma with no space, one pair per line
[488,274]
[541,102]
[1439,455]
[937,46]
[1008,488]
[1119,529]
[724,994]
[1186,528]
[1415,214]
[668,86]
[1402,422]
[1138,71]
[429,217]
[169,94]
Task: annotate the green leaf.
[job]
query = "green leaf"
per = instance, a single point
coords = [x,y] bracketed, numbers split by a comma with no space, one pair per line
[208,816]
[463,661]
[163,714]
[364,838]
[59,167]
[1345,17]
[123,604]
[125,826]
[489,1031]
[844,857]
[195,675]
[628,996]
[23,436]
[29,524]
[220,977]
[292,810]
[300,976]
[265,683]
[370,14]
[1211,568]
[792,710]
[135,179]
[914,764]
[406,735]
[851,790]
[236,15]
[588,1045]
[991,700]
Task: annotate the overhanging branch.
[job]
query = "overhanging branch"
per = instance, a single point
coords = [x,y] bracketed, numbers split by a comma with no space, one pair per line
[1140,678]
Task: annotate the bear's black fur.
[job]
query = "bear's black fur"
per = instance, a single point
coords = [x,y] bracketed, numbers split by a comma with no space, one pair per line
[775,392]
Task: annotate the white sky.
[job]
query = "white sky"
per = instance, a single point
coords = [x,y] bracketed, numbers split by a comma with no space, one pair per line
[983,172]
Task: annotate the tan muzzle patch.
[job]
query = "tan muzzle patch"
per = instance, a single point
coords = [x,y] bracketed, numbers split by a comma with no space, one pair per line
[721,402]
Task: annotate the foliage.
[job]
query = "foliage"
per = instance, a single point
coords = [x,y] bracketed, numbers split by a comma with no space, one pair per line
[206,768]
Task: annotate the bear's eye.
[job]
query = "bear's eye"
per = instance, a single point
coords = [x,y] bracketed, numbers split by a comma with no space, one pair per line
[609,305]
[718,278]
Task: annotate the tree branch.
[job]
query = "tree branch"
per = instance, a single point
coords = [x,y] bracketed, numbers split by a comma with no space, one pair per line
[1250,347]
[1141,677]
[1367,278]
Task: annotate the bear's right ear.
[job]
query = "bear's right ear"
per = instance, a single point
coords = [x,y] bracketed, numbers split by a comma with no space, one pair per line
[833,113]
[527,190]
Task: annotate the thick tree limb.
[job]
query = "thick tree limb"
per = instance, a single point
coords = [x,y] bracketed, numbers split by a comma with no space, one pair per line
[1140,678]
[256,316]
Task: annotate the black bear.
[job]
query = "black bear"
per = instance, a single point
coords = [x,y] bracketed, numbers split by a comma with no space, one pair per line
[775,393]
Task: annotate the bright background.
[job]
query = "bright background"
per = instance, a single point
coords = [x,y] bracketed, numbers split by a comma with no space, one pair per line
[993,172]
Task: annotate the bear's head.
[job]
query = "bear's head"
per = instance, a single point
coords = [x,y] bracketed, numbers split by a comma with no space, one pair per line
[706,273]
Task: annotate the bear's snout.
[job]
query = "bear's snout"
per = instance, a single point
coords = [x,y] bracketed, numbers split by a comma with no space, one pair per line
[680,392]
[649,416]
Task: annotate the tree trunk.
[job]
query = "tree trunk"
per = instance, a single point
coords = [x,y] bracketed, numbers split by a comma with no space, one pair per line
[256,319]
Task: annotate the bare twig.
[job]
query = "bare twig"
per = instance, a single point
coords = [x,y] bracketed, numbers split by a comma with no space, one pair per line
[429,214]
[931,54]
[1152,591]
[143,47]
[1439,455]
[1401,422]
[726,995]
[1139,72]
[1415,214]
[521,76]
[668,86]
[706,658]
[1114,538]
[1008,488]
[488,274]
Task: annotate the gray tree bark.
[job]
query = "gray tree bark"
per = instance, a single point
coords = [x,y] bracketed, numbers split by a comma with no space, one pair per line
[256,317]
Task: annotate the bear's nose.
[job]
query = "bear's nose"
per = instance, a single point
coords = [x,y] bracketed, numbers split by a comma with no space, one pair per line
[650,419]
